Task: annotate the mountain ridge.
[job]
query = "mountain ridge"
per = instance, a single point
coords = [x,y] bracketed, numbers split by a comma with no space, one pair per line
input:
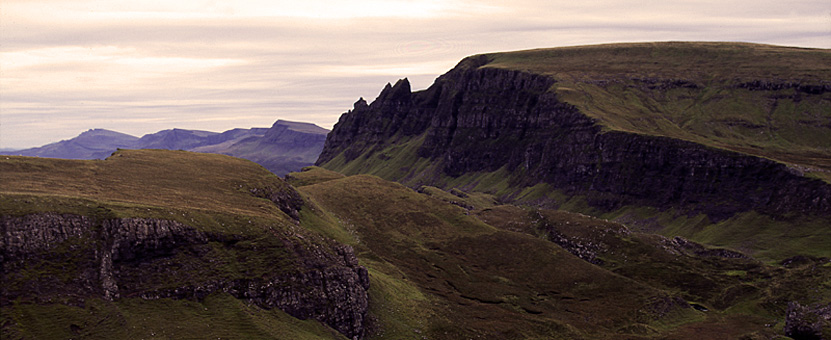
[531,138]
[93,143]
[284,147]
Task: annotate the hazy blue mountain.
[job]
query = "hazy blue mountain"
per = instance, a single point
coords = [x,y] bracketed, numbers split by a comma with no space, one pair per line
[175,139]
[92,144]
[283,148]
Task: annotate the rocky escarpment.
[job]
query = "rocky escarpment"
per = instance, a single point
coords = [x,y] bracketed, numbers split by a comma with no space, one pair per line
[49,257]
[289,201]
[476,120]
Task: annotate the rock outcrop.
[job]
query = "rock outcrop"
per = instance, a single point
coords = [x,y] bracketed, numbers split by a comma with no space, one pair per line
[50,257]
[807,322]
[288,200]
[477,119]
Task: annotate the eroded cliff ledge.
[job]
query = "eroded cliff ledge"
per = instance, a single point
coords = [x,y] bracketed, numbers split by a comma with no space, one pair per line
[50,257]
[478,119]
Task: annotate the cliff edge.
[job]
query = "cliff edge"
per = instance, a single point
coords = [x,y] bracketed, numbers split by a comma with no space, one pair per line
[716,129]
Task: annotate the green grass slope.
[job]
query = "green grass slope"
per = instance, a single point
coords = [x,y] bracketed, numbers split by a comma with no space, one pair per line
[442,265]
[468,278]
[719,278]
[219,316]
[251,238]
[443,271]
[135,179]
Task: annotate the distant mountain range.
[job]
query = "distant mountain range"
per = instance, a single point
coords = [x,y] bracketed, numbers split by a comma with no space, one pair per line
[283,148]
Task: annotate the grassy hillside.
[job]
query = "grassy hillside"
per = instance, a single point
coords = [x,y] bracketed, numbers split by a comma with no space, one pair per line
[442,271]
[442,265]
[217,317]
[710,93]
[248,238]
[133,179]
[451,270]
[694,61]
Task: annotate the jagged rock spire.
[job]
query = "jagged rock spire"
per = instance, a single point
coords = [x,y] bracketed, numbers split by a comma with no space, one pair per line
[399,92]
[360,104]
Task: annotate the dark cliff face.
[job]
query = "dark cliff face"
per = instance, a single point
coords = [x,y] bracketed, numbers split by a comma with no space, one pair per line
[66,258]
[463,106]
[478,119]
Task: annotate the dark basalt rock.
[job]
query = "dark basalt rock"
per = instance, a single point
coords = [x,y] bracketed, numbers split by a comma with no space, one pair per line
[762,85]
[288,200]
[679,244]
[307,277]
[476,120]
[586,250]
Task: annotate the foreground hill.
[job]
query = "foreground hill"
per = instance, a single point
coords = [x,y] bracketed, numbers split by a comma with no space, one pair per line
[117,247]
[173,244]
[726,143]
[283,148]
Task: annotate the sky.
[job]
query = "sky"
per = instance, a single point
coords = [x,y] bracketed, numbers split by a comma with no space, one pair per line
[138,67]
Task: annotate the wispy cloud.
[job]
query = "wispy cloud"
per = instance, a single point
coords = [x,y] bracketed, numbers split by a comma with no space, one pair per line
[142,66]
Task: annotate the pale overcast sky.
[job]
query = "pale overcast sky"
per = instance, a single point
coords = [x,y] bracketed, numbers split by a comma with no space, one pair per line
[138,66]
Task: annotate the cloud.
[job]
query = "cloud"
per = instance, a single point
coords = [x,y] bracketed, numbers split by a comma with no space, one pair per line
[143,66]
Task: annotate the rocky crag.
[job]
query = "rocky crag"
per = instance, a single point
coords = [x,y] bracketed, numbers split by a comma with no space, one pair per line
[505,129]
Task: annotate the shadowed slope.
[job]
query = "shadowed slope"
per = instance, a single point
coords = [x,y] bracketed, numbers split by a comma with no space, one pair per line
[479,280]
